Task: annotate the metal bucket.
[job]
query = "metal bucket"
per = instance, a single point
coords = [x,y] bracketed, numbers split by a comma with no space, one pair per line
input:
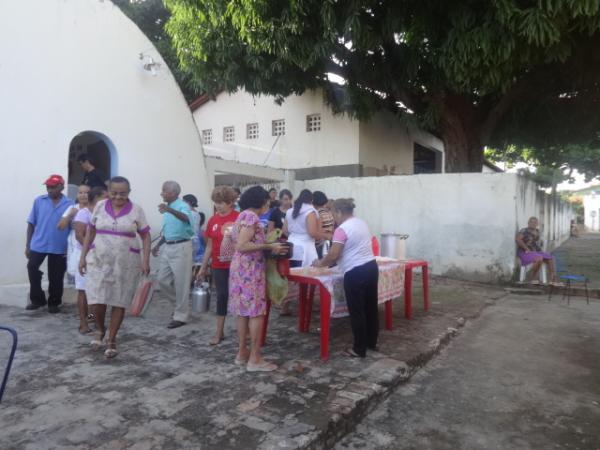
[393,245]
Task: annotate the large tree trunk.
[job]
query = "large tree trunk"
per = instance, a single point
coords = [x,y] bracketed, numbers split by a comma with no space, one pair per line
[461,133]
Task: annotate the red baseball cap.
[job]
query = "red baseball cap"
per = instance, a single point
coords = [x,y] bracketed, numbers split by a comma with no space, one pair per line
[54,180]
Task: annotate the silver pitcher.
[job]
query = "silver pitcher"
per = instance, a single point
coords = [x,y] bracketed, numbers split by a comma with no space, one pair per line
[200,297]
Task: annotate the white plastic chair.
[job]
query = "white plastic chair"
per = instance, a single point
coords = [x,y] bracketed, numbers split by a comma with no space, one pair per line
[542,274]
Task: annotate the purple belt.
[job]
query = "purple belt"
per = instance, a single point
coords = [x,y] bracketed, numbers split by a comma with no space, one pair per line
[116,233]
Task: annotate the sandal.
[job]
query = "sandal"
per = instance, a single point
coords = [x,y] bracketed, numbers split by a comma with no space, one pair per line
[91,318]
[111,350]
[264,366]
[351,353]
[86,331]
[97,343]
[240,361]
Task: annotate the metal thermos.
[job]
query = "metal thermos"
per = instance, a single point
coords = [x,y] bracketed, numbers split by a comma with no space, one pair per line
[200,297]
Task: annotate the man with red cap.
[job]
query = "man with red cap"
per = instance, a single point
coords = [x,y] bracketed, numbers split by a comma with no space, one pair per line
[44,239]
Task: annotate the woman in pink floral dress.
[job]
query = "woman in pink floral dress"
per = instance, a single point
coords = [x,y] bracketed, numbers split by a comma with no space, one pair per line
[247,278]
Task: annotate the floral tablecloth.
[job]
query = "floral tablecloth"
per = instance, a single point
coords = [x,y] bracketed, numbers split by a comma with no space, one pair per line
[391,283]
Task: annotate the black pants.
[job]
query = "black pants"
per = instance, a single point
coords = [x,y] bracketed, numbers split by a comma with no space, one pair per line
[221,277]
[57,266]
[360,286]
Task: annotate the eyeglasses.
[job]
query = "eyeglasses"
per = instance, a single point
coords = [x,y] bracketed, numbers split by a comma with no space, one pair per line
[124,194]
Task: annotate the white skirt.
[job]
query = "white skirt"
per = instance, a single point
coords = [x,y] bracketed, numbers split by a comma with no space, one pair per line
[304,249]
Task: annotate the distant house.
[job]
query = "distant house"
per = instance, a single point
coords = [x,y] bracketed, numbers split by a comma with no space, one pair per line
[302,134]
[591,208]
[489,167]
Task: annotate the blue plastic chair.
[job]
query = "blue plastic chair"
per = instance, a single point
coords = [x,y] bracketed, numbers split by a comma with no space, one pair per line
[13,333]
[569,278]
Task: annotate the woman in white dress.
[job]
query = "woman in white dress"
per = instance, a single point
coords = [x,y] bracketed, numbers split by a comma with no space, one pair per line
[112,259]
[302,229]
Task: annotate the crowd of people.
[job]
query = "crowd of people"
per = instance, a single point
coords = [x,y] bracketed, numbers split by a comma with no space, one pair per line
[111,248]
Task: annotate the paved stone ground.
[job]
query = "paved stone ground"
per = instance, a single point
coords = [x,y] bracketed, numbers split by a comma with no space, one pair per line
[168,389]
[526,375]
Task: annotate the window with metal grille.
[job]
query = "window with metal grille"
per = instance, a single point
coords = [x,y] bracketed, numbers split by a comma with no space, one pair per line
[228,134]
[252,131]
[278,127]
[207,136]
[313,122]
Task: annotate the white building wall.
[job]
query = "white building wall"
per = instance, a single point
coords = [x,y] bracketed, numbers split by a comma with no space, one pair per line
[385,145]
[70,66]
[591,207]
[335,144]
[464,225]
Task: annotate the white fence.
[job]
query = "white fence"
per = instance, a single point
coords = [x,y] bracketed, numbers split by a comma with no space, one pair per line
[463,224]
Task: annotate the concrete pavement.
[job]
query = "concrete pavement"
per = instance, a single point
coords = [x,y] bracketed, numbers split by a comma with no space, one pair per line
[167,389]
[525,375]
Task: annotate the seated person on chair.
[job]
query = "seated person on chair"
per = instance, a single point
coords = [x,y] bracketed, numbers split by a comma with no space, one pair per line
[530,252]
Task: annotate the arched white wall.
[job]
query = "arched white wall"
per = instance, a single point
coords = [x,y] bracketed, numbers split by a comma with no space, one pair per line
[73,65]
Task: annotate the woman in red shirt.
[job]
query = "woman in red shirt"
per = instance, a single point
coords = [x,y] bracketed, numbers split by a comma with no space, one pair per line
[224,199]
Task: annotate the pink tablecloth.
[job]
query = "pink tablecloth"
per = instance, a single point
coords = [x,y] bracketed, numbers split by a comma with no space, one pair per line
[391,283]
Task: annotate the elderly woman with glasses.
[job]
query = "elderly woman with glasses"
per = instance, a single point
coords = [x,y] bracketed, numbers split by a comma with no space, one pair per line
[112,259]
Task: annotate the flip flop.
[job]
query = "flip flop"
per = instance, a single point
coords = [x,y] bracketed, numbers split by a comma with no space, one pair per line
[351,353]
[97,343]
[85,332]
[240,362]
[265,366]
[111,351]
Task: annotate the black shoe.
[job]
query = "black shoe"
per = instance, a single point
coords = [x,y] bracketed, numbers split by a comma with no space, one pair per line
[33,306]
[53,309]
[175,324]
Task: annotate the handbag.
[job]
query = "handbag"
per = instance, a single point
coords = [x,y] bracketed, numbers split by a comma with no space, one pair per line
[142,296]
[227,248]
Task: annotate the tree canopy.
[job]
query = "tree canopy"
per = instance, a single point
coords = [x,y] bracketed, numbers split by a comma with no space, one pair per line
[475,72]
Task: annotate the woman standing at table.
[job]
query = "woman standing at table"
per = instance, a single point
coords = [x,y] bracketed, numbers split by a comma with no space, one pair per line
[302,228]
[113,264]
[352,251]
[247,278]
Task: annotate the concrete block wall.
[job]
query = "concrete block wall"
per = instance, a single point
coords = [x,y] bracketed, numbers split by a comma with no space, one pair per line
[463,224]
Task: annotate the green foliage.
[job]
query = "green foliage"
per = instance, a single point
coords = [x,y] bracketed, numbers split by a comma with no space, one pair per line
[437,62]
[553,164]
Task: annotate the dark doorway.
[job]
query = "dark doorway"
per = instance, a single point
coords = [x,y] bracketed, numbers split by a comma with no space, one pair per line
[426,160]
[101,151]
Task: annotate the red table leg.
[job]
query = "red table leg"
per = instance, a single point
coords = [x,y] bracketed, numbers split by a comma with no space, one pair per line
[408,292]
[302,307]
[263,338]
[309,306]
[388,315]
[425,271]
[325,319]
